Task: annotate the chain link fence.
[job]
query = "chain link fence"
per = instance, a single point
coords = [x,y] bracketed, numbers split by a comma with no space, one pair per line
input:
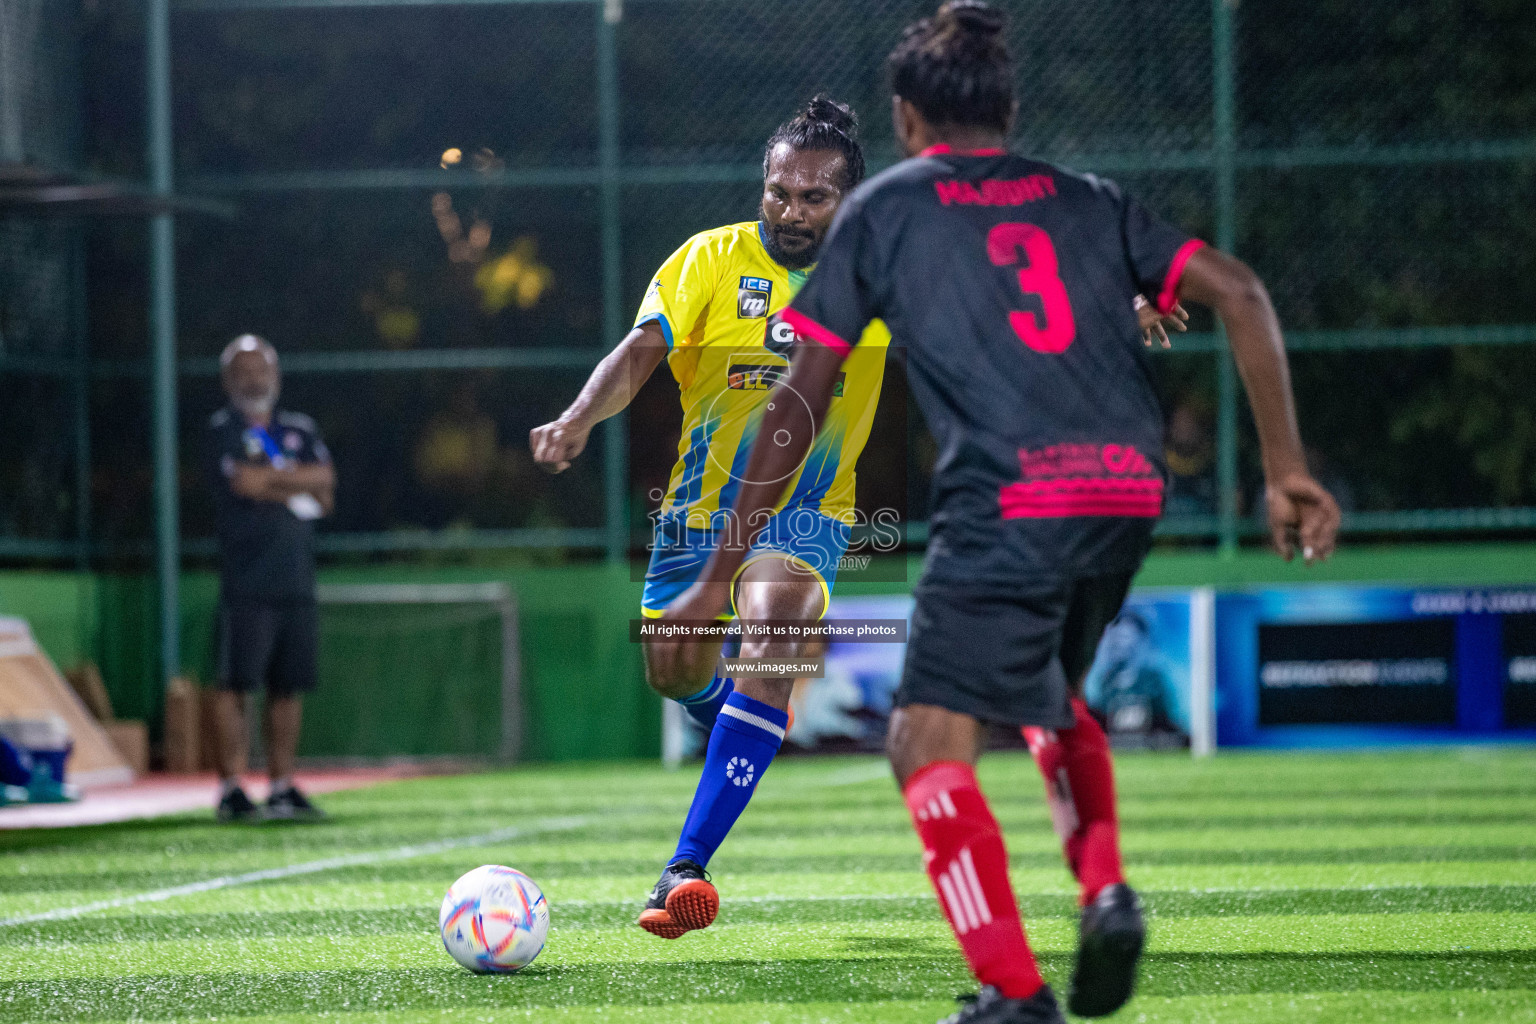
[40,279]
[449,211]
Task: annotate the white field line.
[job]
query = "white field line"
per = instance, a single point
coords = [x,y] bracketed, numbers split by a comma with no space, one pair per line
[928,894]
[351,860]
[856,775]
[835,898]
[504,834]
[846,777]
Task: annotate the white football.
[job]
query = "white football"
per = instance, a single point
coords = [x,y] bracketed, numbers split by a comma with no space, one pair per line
[494,920]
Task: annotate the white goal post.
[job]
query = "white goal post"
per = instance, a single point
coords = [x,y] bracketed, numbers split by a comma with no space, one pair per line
[499,595]
[1202,671]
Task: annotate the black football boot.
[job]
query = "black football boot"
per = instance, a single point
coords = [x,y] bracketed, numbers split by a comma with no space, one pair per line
[992,1007]
[682,901]
[1110,935]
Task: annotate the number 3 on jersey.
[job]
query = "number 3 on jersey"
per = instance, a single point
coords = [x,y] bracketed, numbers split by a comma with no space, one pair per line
[1052,330]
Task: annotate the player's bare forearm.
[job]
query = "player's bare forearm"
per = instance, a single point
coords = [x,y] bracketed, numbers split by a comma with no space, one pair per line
[308,478]
[1240,299]
[618,378]
[1301,511]
[269,483]
[608,391]
[791,420]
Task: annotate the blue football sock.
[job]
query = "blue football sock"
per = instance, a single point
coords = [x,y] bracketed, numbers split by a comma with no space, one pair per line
[746,736]
[704,706]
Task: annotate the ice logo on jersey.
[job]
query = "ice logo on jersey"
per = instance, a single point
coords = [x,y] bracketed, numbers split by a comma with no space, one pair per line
[752,297]
[740,771]
[778,336]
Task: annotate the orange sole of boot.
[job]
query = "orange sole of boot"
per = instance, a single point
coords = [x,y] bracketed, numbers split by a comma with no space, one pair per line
[690,906]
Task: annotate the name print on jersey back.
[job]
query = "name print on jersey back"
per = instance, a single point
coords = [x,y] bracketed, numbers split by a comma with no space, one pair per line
[996,191]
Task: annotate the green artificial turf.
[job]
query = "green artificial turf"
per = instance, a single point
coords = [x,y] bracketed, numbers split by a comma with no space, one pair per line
[1388,886]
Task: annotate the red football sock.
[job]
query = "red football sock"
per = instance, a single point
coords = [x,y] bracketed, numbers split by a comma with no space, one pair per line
[964,856]
[1080,788]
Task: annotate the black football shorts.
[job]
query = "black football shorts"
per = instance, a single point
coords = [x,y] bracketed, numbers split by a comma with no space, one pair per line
[1013,656]
[271,644]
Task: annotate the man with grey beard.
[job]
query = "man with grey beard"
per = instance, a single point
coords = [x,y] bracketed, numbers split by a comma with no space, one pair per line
[272,479]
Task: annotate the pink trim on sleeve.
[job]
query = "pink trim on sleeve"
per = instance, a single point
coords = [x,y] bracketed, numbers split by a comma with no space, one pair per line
[1170,293]
[945,149]
[805,327]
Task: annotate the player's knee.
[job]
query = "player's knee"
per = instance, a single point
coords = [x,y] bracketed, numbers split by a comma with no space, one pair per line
[753,650]
[773,692]
[919,735]
[904,764]
[672,684]
[905,756]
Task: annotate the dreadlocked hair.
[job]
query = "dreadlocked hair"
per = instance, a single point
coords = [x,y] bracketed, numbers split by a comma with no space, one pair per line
[954,67]
[824,124]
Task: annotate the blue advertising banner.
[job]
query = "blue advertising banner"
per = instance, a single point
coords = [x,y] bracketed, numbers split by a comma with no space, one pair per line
[846,710]
[1140,679]
[1340,665]
[1140,682]
[1321,666]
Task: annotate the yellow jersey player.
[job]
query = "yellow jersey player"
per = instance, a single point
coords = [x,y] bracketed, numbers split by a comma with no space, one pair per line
[712,312]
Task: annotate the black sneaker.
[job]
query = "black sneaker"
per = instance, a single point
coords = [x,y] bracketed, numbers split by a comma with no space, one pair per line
[291,805]
[1110,935]
[992,1007]
[236,806]
[682,901]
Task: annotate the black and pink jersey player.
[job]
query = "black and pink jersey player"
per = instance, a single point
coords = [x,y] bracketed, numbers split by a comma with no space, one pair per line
[1006,282]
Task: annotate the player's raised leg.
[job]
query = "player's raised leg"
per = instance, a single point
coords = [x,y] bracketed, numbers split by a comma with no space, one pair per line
[933,751]
[1080,789]
[746,736]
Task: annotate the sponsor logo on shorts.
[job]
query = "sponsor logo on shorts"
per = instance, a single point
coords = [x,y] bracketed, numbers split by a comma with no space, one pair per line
[752,294]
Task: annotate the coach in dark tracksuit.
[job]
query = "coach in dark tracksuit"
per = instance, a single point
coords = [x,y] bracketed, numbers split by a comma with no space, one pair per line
[272,479]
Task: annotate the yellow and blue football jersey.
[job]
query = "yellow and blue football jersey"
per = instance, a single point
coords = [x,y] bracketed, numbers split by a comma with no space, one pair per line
[715,299]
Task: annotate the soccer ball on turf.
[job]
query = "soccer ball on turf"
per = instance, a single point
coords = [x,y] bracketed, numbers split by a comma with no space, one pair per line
[494,920]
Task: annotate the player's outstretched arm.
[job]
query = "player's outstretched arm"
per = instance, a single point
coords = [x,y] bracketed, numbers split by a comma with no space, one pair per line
[612,386]
[1300,509]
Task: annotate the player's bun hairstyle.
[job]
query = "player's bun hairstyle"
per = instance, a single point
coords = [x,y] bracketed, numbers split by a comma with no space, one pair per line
[824,124]
[954,67]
